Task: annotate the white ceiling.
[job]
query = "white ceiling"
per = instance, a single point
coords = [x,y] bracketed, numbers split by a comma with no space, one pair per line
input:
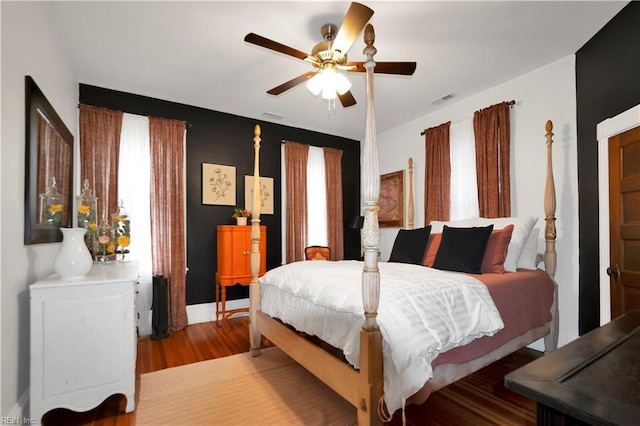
[194,52]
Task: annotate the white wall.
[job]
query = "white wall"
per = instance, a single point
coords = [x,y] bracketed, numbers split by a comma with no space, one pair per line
[545,94]
[29,47]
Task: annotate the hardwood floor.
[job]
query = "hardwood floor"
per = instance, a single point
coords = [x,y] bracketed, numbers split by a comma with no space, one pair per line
[480,399]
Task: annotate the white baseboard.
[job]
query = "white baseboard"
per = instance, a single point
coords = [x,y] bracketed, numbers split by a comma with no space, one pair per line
[538,345]
[16,415]
[144,323]
[205,312]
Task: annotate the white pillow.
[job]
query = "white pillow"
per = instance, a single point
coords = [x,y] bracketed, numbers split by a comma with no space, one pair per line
[437,226]
[522,227]
[529,254]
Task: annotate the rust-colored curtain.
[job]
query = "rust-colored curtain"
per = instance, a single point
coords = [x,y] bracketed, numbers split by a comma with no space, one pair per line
[437,178]
[99,147]
[168,241]
[295,163]
[333,179]
[492,133]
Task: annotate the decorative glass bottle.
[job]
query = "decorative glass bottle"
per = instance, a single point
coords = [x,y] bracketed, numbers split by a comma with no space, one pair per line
[51,205]
[105,241]
[122,226]
[87,217]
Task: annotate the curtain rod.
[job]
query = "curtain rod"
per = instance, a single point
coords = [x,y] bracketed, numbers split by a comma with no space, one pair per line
[510,103]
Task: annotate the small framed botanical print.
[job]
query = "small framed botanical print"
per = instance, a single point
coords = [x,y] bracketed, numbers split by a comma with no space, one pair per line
[218,184]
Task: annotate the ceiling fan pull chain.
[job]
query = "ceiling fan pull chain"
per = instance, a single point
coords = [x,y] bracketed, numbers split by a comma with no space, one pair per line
[331,107]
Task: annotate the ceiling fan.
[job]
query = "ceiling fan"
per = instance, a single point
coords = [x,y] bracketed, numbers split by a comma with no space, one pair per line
[330,56]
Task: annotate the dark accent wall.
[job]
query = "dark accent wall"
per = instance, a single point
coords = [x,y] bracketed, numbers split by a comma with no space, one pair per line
[607,83]
[220,138]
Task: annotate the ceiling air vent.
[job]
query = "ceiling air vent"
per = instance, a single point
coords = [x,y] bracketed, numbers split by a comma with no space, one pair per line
[442,99]
[272,115]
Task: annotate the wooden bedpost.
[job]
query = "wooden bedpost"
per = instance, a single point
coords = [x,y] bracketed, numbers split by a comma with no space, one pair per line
[550,255]
[410,203]
[254,289]
[370,386]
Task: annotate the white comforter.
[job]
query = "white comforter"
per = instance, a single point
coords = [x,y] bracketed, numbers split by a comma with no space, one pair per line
[422,312]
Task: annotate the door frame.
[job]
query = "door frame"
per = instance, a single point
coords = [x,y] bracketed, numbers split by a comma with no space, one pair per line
[610,127]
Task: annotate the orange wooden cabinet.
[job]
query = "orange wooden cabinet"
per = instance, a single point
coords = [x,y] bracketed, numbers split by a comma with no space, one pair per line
[234,263]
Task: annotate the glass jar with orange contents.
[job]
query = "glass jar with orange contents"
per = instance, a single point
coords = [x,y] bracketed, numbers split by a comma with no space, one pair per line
[87,217]
[122,227]
[105,239]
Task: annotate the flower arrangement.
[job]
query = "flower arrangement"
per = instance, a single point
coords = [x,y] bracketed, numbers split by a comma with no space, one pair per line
[51,205]
[53,214]
[238,212]
[122,227]
[86,216]
[106,245]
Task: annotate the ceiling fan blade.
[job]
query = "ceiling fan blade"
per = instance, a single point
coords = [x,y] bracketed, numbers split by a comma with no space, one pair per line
[291,83]
[274,45]
[402,68]
[347,99]
[354,21]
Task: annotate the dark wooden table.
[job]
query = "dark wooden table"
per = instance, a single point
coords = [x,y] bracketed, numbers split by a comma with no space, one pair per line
[593,380]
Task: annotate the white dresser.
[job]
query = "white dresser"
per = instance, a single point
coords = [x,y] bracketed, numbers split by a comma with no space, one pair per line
[83,339]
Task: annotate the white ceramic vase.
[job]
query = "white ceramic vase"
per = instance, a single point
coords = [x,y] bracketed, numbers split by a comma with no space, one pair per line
[241,220]
[73,259]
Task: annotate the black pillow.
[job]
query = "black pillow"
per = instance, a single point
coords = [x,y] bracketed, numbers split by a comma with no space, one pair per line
[410,245]
[462,249]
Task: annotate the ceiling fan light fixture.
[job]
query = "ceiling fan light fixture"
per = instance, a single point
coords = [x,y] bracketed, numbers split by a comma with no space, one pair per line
[329,93]
[332,54]
[341,83]
[328,82]
[315,84]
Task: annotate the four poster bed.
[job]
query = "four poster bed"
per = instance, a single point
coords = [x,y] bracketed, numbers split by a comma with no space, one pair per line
[422,328]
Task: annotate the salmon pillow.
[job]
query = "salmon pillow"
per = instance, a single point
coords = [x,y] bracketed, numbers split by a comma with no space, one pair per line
[432,248]
[496,251]
[522,227]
